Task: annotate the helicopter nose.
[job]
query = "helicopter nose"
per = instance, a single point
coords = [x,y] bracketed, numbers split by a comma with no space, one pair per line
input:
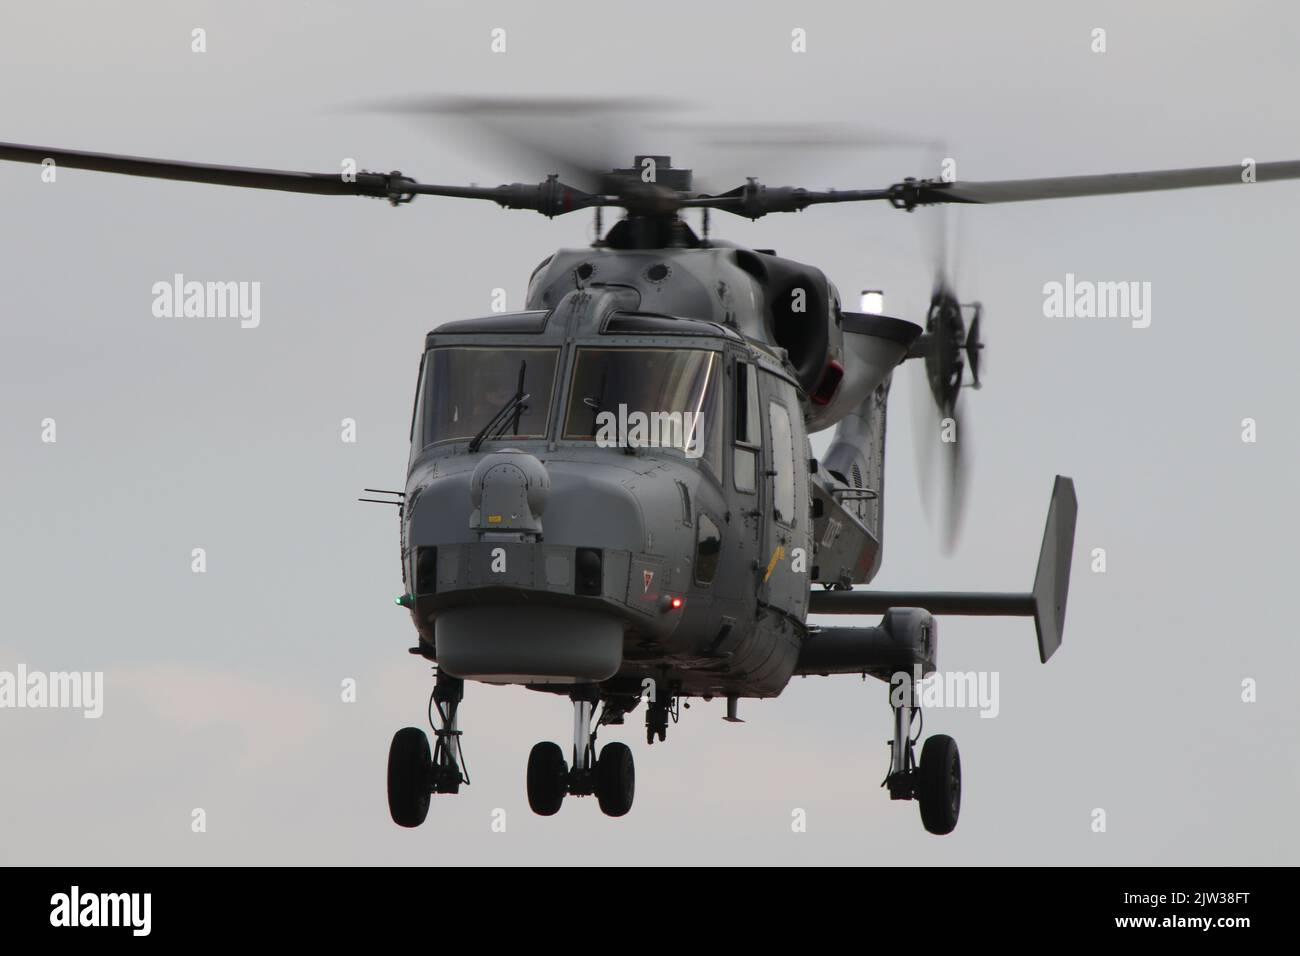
[501,604]
[509,490]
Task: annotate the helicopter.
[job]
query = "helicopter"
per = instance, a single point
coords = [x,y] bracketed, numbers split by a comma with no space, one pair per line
[611,494]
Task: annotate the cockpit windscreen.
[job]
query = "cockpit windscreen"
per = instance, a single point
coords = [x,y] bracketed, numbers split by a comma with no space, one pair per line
[466,386]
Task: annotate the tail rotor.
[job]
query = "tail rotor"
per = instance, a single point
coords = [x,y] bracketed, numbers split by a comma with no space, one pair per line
[952,351]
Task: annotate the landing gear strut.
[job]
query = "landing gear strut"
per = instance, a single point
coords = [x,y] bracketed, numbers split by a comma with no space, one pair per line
[936,782]
[657,715]
[448,758]
[413,771]
[611,776]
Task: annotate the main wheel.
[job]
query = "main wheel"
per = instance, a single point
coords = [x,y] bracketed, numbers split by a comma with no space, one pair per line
[615,779]
[409,766]
[938,785]
[547,778]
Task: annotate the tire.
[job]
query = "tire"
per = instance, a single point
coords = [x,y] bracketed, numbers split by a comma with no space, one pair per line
[409,766]
[615,779]
[547,778]
[939,784]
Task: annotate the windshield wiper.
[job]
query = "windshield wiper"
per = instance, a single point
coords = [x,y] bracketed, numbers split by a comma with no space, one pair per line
[519,406]
[596,402]
[516,405]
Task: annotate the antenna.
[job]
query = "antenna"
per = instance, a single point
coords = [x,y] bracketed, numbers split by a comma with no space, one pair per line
[399,496]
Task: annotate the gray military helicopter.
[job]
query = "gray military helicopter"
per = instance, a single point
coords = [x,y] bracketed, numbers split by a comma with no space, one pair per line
[611,495]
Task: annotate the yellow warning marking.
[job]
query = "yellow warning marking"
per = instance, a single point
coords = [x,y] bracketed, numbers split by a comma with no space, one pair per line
[494,519]
[777,555]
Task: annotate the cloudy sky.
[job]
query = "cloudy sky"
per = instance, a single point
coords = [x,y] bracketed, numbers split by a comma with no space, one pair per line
[222,690]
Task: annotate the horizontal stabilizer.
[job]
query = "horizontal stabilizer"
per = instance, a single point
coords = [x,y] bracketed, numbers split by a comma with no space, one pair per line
[1045,604]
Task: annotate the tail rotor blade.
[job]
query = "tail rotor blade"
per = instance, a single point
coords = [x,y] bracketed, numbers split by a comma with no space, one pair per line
[974,346]
[925,437]
[956,461]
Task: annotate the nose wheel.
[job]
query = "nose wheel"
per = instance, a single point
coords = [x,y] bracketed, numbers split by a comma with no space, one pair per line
[548,778]
[611,776]
[615,779]
[415,772]
[409,766]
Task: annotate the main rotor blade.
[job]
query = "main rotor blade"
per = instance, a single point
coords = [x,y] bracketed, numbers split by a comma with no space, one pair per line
[551,198]
[322,184]
[754,200]
[1106,184]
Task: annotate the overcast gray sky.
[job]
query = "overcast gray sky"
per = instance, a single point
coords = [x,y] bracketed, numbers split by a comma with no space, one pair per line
[223,689]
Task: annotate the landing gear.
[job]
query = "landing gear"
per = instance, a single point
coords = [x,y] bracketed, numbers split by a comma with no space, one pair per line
[408,777]
[615,780]
[414,773]
[657,715]
[936,783]
[548,777]
[448,759]
[611,777]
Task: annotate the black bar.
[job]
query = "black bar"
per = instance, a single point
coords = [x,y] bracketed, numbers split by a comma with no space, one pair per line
[331,904]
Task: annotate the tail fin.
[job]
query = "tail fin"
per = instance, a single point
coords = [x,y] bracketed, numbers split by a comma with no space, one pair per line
[1052,581]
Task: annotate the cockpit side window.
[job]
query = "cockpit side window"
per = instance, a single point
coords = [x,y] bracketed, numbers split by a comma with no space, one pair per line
[783,464]
[417,405]
[748,429]
[708,550]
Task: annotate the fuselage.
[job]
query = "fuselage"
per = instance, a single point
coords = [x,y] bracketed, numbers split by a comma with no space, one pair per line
[702,544]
